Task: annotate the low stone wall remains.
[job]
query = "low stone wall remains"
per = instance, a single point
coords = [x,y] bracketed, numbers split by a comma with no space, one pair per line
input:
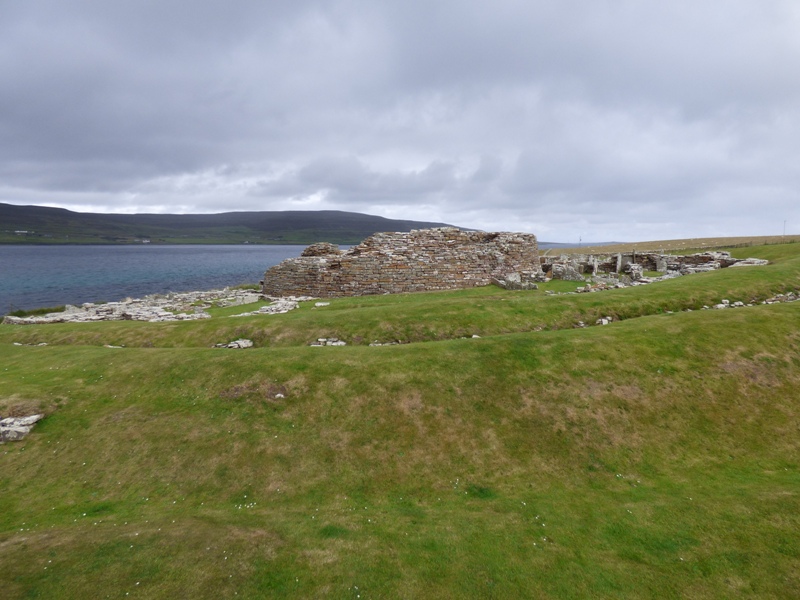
[574,267]
[443,258]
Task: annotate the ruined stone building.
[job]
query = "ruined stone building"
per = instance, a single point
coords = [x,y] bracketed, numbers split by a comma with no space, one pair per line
[444,258]
[448,258]
[575,267]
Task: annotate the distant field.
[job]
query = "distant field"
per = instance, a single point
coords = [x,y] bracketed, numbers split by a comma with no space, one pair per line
[667,246]
[655,457]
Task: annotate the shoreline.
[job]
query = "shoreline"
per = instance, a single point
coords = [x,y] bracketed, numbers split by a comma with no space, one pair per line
[172,306]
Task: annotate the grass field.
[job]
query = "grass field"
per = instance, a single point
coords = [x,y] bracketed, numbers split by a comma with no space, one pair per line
[656,457]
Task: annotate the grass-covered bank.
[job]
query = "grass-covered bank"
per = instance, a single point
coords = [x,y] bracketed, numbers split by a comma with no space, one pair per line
[653,458]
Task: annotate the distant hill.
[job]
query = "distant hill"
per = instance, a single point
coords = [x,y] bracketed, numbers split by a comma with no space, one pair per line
[43,225]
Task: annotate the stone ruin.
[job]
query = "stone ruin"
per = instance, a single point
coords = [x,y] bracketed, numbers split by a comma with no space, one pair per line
[631,266]
[448,258]
[444,258]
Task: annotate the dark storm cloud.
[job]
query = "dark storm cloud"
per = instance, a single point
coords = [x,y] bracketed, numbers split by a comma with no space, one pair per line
[627,118]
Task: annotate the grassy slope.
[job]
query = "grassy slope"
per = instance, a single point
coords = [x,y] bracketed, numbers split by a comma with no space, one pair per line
[653,458]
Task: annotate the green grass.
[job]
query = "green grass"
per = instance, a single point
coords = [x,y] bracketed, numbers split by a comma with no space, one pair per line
[656,457]
[37,311]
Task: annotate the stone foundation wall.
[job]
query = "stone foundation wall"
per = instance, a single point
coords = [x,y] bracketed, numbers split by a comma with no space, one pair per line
[422,260]
[572,266]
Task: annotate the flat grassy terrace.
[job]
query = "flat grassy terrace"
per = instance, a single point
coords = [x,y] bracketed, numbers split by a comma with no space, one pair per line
[656,457]
[682,246]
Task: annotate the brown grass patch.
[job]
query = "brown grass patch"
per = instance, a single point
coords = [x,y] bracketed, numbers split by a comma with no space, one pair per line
[269,391]
[757,372]
[297,385]
[410,404]
[319,556]
[601,390]
[598,413]
[17,406]
[337,384]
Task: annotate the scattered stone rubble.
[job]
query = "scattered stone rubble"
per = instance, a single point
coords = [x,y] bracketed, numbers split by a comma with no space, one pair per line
[525,280]
[443,258]
[278,306]
[13,429]
[237,344]
[777,299]
[126,310]
[154,308]
[788,297]
[792,296]
[328,342]
[599,287]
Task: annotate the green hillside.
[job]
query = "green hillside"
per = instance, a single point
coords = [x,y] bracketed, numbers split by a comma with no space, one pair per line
[42,225]
[656,457]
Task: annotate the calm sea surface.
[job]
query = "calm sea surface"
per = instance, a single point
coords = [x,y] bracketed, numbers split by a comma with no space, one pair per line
[39,276]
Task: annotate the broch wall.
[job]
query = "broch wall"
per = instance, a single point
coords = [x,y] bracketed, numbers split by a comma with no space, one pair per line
[444,258]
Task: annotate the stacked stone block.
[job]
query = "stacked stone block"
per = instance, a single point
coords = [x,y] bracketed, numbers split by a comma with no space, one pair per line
[444,258]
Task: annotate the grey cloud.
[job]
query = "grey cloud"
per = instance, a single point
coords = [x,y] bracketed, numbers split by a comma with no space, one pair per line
[681,52]
[348,180]
[482,114]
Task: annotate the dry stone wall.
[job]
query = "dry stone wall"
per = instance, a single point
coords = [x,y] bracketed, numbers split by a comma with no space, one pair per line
[444,258]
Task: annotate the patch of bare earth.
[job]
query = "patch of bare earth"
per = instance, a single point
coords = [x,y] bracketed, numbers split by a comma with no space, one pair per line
[17,406]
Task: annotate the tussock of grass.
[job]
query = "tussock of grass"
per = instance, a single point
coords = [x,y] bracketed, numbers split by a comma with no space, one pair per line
[37,311]
[653,458]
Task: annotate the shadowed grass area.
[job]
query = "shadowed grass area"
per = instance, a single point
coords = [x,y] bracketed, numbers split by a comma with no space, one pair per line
[652,458]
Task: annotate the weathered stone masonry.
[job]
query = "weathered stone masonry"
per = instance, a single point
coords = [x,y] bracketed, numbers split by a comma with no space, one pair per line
[573,267]
[426,259]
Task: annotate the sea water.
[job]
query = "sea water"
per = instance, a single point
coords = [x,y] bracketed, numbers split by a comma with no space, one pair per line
[42,276]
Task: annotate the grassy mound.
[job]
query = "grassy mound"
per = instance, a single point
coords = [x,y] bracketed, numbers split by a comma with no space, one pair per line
[656,457]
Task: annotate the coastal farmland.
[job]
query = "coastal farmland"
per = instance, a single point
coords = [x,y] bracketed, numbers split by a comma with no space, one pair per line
[655,457]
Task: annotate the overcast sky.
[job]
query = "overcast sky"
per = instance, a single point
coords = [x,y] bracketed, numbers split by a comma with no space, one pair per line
[595,119]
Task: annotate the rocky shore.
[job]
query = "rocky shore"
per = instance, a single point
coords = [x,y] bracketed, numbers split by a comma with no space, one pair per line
[185,306]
